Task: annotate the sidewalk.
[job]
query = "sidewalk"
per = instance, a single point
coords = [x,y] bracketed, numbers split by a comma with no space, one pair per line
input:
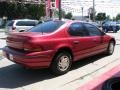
[2,29]
[97,82]
[2,44]
[2,35]
[2,41]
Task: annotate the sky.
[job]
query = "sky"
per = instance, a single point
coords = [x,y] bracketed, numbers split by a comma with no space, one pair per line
[110,7]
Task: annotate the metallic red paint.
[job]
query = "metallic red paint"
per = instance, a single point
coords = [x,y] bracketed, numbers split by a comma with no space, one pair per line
[18,45]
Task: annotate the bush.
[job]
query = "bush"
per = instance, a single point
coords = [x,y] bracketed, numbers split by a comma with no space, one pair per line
[21,10]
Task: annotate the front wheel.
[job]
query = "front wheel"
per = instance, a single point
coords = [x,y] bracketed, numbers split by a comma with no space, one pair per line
[110,48]
[105,30]
[61,63]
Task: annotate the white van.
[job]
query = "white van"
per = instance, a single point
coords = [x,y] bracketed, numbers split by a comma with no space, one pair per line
[20,25]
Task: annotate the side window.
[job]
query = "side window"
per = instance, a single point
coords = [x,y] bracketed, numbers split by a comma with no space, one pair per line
[26,23]
[76,29]
[92,30]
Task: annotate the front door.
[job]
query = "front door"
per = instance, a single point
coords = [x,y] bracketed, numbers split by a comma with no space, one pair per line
[81,41]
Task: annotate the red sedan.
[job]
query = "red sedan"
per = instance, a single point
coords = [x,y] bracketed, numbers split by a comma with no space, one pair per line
[56,44]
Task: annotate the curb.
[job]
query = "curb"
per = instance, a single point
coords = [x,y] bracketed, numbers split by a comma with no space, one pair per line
[1,55]
[3,38]
[97,82]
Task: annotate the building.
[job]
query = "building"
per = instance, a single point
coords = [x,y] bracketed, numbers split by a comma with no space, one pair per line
[24,1]
[78,6]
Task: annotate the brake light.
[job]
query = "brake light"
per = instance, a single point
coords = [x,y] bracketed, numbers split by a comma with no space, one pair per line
[33,48]
[13,28]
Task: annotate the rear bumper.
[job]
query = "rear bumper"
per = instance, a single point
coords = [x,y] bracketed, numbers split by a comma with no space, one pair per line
[31,60]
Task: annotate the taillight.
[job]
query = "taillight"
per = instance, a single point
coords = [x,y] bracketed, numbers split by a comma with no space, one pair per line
[13,28]
[32,47]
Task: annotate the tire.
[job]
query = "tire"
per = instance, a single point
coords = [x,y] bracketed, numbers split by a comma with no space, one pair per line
[111,84]
[114,31]
[110,48]
[105,30]
[61,63]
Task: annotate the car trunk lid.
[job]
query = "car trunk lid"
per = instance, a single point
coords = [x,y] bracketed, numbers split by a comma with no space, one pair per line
[17,40]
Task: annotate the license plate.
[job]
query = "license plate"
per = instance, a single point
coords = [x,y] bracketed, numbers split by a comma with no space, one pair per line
[10,56]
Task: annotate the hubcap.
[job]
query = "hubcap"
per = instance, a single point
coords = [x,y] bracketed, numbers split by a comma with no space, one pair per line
[111,47]
[63,63]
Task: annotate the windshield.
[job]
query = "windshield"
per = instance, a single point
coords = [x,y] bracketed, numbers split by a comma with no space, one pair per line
[47,27]
[26,23]
[110,23]
[10,23]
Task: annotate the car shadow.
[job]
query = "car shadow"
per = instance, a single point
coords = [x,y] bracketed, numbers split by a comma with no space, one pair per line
[13,76]
[86,61]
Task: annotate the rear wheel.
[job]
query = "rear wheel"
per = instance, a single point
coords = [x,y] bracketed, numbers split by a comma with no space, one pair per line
[115,31]
[105,30]
[61,63]
[110,48]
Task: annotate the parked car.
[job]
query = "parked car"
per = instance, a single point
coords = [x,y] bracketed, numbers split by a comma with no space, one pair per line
[110,26]
[118,24]
[57,44]
[111,84]
[20,25]
[96,24]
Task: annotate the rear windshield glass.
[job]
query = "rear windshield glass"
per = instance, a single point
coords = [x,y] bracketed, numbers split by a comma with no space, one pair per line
[47,27]
[26,23]
[10,23]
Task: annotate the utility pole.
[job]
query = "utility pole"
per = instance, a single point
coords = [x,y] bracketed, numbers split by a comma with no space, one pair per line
[93,10]
[60,11]
[82,12]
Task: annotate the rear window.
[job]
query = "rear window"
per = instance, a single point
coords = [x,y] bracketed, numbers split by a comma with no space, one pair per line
[10,23]
[26,23]
[47,27]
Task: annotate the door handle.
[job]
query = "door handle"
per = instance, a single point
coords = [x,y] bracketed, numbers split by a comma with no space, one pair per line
[76,42]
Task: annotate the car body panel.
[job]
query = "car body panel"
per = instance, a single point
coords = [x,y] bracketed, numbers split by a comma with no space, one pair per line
[110,26]
[18,28]
[48,44]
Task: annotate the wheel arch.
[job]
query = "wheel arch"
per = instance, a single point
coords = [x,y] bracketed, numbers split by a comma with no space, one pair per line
[53,68]
[112,39]
[62,49]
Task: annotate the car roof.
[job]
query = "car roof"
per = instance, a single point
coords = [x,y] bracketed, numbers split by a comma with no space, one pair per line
[24,20]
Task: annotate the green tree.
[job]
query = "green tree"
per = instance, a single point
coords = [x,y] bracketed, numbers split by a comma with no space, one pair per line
[68,15]
[118,17]
[108,17]
[57,13]
[114,18]
[17,10]
[101,16]
[36,11]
